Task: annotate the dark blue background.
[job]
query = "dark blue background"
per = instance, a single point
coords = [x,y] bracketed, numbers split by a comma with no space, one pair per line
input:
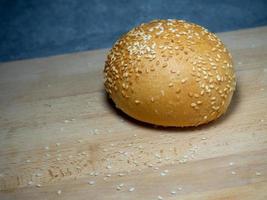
[36,28]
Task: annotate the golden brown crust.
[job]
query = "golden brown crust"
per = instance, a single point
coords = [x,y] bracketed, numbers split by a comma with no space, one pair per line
[170,73]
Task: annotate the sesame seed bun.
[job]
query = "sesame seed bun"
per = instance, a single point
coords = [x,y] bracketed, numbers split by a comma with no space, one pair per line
[170,73]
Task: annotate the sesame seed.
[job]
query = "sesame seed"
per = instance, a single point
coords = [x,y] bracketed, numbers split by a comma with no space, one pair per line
[233,172]
[30,183]
[173,192]
[179,188]
[131,189]
[47,148]
[182,161]
[137,102]
[91,182]
[164,65]
[184,80]
[38,185]
[163,174]
[231,163]
[109,167]
[170,85]
[39,174]
[204,138]
[59,192]
[193,104]
[178,91]
[160,197]
[58,144]
[199,102]
[152,99]
[118,188]
[258,173]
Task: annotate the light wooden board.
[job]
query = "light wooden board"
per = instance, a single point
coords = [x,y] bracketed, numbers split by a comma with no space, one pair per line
[59,130]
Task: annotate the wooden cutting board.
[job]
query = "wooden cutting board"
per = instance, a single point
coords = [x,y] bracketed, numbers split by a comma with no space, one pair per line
[61,138]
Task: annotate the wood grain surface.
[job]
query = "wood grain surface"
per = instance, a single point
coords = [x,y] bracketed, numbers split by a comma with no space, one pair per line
[61,138]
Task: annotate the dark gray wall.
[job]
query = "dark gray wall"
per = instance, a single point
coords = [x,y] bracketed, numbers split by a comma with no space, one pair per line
[36,28]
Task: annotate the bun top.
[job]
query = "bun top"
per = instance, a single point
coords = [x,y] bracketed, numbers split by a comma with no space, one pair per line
[170,73]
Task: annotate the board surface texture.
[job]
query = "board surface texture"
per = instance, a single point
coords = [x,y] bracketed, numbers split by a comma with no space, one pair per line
[61,138]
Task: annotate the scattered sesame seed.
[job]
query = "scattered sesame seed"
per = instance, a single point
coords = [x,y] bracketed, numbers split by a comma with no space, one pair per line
[58,144]
[59,192]
[184,80]
[96,173]
[137,102]
[182,161]
[258,173]
[118,188]
[173,192]
[39,174]
[160,197]
[38,185]
[193,104]
[28,161]
[131,189]
[157,155]
[163,174]
[164,65]
[199,102]
[233,172]
[91,182]
[121,174]
[30,183]
[179,188]
[109,167]
[204,138]
[47,148]
[231,163]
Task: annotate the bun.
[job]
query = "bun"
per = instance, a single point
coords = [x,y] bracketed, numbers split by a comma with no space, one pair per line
[170,73]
